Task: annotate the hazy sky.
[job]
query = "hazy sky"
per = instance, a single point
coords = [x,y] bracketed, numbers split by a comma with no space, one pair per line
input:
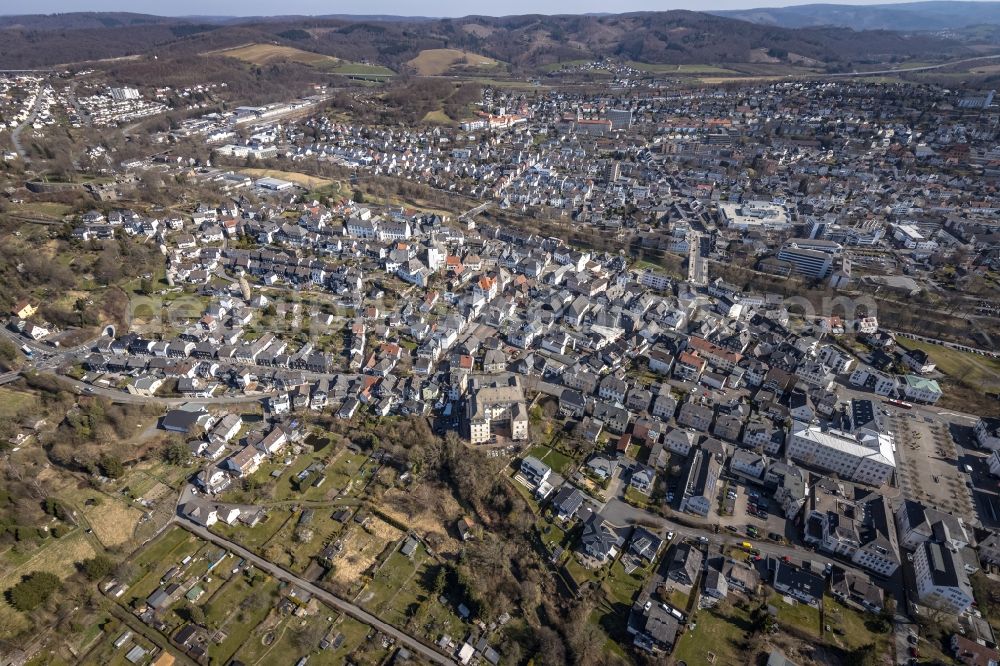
[398,7]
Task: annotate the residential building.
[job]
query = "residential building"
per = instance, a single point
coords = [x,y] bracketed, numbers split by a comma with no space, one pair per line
[701,480]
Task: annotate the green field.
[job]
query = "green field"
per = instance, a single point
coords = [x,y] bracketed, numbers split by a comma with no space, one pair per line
[803,616]
[715,640]
[359,69]
[557,460]
[975,371]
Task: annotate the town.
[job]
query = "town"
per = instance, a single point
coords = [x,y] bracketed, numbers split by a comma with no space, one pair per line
[652,370]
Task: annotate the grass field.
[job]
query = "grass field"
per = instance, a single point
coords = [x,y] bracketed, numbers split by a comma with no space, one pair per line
[437,118]
[50,209]
[57,556]
[16,404]
[434,62]
[303,179]
[803,616]
[978,372]
[362,70]
[361,548]
[113,521]
[557,460]
[261,54]
[715,635]
[680,69]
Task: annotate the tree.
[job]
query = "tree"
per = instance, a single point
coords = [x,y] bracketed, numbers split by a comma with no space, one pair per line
[98,567]
[763,621]
[358,196]
[196,614]
[111,466]
[33,590]
[866,655]
[440,580]
[177,453]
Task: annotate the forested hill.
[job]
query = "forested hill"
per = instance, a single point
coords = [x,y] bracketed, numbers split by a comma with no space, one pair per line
[526,42]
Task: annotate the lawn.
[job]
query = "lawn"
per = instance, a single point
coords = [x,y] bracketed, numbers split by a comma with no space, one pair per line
[557,460]
[164,548]
[225,611]
[343,470]
[580,573]
[978,372]
[622,587]
[390,580]
[679,599]
[635,497]
[255,537]
[848,627]
[803,616]
[719,635]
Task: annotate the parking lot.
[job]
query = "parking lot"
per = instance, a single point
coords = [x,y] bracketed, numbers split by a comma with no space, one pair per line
[929,466]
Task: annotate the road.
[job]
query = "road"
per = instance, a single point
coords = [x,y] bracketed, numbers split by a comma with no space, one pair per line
[15,136]
[903,70]
[472,212]
[347,607]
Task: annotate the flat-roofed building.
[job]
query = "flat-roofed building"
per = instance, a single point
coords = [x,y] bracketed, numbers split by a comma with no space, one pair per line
[761,215]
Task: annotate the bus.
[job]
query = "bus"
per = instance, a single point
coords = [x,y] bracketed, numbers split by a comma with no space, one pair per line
[27,351]
[899,403]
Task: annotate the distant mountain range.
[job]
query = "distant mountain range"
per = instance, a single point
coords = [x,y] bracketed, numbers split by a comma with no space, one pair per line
[527,42]
[909,16]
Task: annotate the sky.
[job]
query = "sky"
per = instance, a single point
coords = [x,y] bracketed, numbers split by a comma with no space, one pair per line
[393,7]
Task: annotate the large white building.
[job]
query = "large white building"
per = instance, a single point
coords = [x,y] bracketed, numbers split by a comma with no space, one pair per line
[493,401]
[878,382]
[987,433]
[864,457]
[942,582]
[813,263]
[921,389]
[762,215]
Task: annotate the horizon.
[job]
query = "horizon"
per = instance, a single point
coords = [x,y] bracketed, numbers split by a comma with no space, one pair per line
[401,9]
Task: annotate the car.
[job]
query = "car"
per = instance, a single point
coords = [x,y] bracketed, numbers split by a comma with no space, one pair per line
[911,639]
[703,539]
[670,535]
[914,652]
[786,558]
[774,536]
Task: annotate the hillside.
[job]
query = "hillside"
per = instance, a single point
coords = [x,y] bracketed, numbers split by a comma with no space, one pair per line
[909,16]
[527,43]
